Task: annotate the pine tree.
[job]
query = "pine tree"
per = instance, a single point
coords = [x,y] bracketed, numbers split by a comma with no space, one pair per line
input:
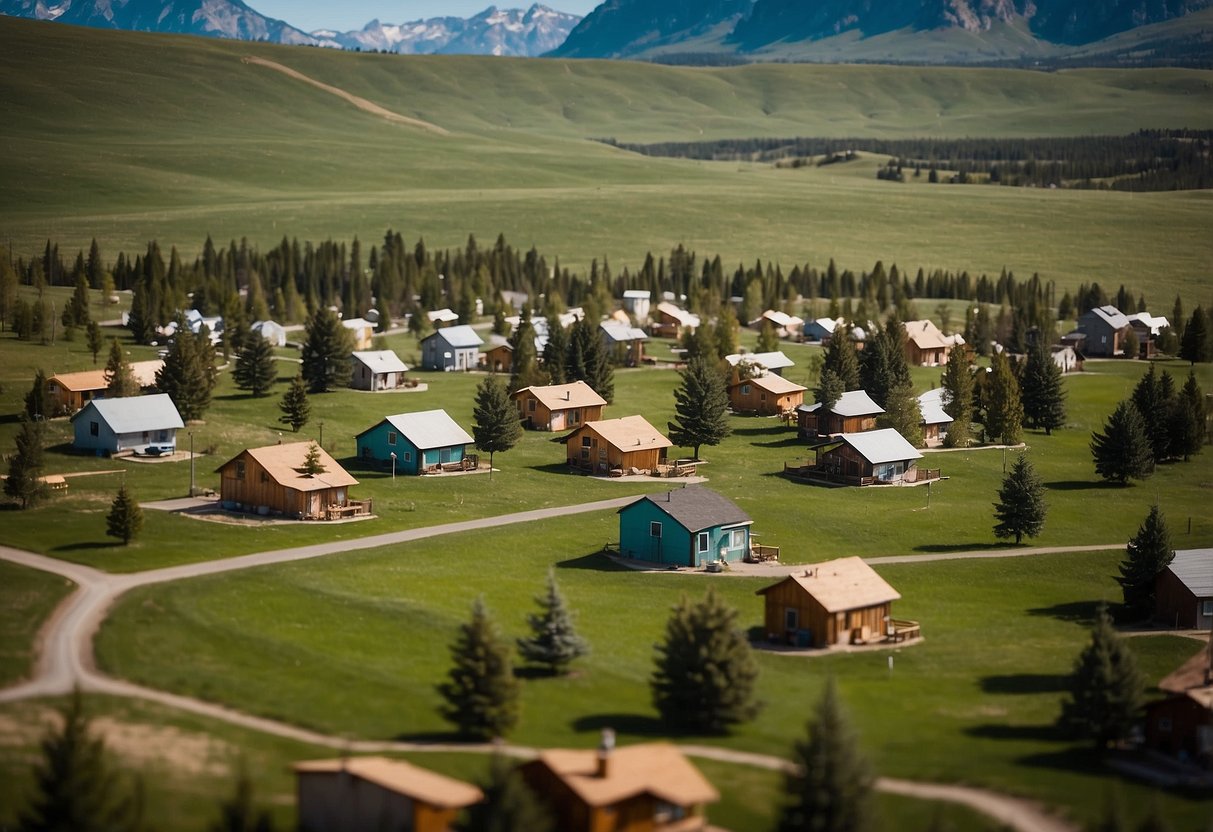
[482,692]
[768,338]
[524,360]
[831,789]
[1021,508]
[1105,689]
[35,399]
[841,358]
[1195,345]
[705,674]
[555,352]
[902,412]
[326,352]
[125,519]
[312,464]
[957,383]
[294,405]
[1113,819]
[495,420]
[509,805]
[75,788]
[829,391]
[94,339]
[1122,451]
[119,379]
[1044,399]
[239,812]
[587,359]
[701,407]
[1154,397]
[25,481]
[1004,408]
[256,370]
[554,642]
[187,376]
[1187,430]
[1146,556]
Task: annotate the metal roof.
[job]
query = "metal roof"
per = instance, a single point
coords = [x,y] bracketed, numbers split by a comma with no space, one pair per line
[1110,315]
[134,414]
[381,361]
[622,333]
[459,337]
[429,429]
[695,508]
[852,403]
[771,360]
[1194,568]
[931,405]
[879,446]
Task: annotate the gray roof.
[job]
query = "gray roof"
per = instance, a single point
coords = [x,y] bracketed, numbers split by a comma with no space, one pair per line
[852,403]
[1110,315]
[771,360]
[622,333]
[459,337]
[381,361]
[430,429]
[1194,568]
[931,405]
[696,508]
[879,446]
[135,414]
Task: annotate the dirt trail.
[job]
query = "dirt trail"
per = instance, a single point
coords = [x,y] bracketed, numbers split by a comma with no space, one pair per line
[358,101]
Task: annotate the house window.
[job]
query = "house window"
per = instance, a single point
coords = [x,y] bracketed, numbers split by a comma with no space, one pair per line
[703,542]
[145,436]
[655,528]
[1206,607]
[738,539]
[94,429]
[240,467]
[391,437]
[745,389]
[530,405]
[1164,724]
[408,456]
[264,477]
[575,417]
[585,441]
[791,618]
[762,397]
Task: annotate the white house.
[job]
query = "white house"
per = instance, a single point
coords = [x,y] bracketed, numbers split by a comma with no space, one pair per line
[377,370]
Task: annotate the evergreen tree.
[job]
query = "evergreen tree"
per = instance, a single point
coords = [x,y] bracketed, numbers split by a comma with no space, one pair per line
[312,464]
[187,376]
[326,352]
[24,481]
[256,370]
[524,361]
[75,788]
[495,420]
[294,405]
[482,693]
[509,805]
[1187,430]
[727,331]
[35,399]
[1154,397]
[1146,556]
[831,789]
[76,310]
[94,339]
[1105,689]
[555,351]
[1021,508]
[902,412]
[1195,344]
[841,358]
[119,379]
[1122,451]
[239,813]
[125,519]
[1003,406]
[701,407]
[1044,399]
[587,359]
[554,642]
[1113,819]
[829,391]
[768,338]
[957,383]
[705,672]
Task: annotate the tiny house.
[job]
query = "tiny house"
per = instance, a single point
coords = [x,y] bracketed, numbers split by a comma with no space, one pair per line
[127,424]
[274,480]
[689,526]
[558,406]
[616,446]
[839,601]
[414,443]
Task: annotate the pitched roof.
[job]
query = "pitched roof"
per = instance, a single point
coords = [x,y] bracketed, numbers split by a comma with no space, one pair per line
[621,333]
[878,446]
[564,396]
[134,414]
[459,337]
[284,464]
[357,323]
[931,405]
[775,385]
[852,403]
[683,317]
[420,784]
[781,319]
[771,360]
[143,371]
[427,429]
[637,294]
[1150,322]
[380,361]
[1110,315]
[444,315]
[842,584]
[1194,568]
[1193,678]
[695,508]
[926,336]
[656,768]
[628,433]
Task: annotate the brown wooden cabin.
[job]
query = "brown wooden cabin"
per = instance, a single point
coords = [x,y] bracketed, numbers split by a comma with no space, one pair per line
[558,406]
[368,794]
[767,395]
[1183,591]
[672,322]
[641,788]
[498,358]
[271,480]
[840,601]
[854,412]
[1182,724]
[68,392]
[616,446]
[926,345]
[869,458]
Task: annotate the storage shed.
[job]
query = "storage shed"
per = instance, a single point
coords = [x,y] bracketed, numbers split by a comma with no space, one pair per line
[840,601]
[377,370]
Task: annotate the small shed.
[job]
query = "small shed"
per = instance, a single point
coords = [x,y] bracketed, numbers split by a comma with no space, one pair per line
[558,406]
[271,331]
[840,601]
[854,412]
[421,442]
[274,480]
[926,345]
[624,343]
[1183,592]
[689,526]
[498,356]
[127,424]
[452,348]
[368,794]
[766,395]
[616,446]
[377,370]
[869,458]
[821,330]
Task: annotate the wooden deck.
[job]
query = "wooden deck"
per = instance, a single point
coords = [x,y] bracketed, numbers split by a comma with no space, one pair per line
[352,508]
[762,554]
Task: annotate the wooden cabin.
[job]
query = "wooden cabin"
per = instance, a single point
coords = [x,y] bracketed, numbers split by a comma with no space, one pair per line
[558,406]
[377,370]
[935,419]
[758,363]
[926,345]
[1182,724]
[689,526]
[624,343]
[649,787]
[672,322]
[423,442]
[498,356]
[1183,591]
[616,446]
[766,395]
[369,794]
[876,457]
[840,601]
[273,480]
[854,412]
[68,392]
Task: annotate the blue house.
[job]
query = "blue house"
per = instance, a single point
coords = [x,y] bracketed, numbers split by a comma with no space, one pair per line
[420,442]
[127,424]
[690,526]
[451,349]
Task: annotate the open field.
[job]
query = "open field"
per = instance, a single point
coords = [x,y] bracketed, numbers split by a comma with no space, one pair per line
[105,139]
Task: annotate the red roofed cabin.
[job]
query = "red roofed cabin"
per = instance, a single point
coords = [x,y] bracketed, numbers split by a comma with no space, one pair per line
[273,480]
[641,788]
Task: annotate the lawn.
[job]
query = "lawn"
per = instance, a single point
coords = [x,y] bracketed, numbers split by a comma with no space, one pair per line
[29,596]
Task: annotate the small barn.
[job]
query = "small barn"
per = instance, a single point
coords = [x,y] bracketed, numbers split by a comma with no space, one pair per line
[558,406]
[377,370]
[1183,592]
[766,395]
[1104,328]
[870,458]
[854,412]
[498,356]
[926,345]
[840,601]
[424,442]
[127,424]
[271,331]
[68,392]
[452,348]
[616,446]
[274,480]
[689,526]
[369,794]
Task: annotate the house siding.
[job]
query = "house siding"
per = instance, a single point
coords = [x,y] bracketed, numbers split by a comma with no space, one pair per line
[257,490]
[750,398]
[600,456]
[536,415]
[1177,606]
[433,355]
[107,441]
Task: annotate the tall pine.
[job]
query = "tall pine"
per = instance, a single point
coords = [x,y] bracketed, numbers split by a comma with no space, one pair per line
[1003,405]
[481,693]
[125,519]
[256,370]
[24,480]
[1122,452]
[119,378]
[524,359]
[1044,398]
[326,352]
[495,420]
[957,383]
[1020,510]
[554,643]
[701,407]
[1154,397]
[187,376]
[1187,430]
[1147,554]
[294,405]
[1105,687]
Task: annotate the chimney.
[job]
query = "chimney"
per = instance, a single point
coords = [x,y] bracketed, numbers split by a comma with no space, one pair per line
[604,753]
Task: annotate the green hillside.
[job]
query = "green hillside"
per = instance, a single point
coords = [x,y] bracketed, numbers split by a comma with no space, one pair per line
[127,137]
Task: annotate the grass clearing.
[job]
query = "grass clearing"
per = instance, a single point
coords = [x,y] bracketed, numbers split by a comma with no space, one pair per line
[29,596]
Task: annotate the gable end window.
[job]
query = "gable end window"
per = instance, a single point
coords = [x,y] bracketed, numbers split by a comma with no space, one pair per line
[240,468]
[655,528]
[94,429]
[391,437]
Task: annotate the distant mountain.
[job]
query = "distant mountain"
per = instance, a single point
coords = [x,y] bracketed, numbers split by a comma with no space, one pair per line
[494,31]
[622,28]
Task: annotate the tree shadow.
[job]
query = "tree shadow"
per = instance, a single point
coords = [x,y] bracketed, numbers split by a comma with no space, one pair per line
[594,561]
[1032,733]
[434,737]
[1080,485]
[1081,612]
[555,468]
[1025,683]
[83,547]
[769,430]
[66,449]
[786,442]
[638,725]
[960,547]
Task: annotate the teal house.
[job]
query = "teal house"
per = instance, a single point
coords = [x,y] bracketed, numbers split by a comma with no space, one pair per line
[690,526]
[413,442]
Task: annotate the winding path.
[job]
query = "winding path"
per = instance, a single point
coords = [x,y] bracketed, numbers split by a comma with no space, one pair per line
[66,658]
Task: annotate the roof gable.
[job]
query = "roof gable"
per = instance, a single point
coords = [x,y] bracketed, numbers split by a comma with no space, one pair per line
[135,414]
[771,360]
[144,373]
[775,385]
[879,446]
[851,403]
[629,433]
[656,768]
[695,508]
[841,585]
[380,361]
[459,337]
[420,784]
[564,396]
[925,335]
[1194,568]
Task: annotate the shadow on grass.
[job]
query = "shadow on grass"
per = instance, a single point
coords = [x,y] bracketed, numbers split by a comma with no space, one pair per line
[769,430]
[594,561]
[961,547]
[66,449]
[637,725]
[786,442]
[1081,485]
[555,468]
[1081,612]
[434,737]
[1033,733]
[83,547]
[1025,683]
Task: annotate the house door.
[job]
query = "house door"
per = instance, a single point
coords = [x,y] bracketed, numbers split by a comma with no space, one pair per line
[313,507]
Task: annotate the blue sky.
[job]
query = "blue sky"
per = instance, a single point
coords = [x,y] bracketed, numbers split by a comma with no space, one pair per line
[354,14]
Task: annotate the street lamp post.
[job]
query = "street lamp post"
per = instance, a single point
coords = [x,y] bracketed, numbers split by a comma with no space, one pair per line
[190,433]
[393,465]
[322,433]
